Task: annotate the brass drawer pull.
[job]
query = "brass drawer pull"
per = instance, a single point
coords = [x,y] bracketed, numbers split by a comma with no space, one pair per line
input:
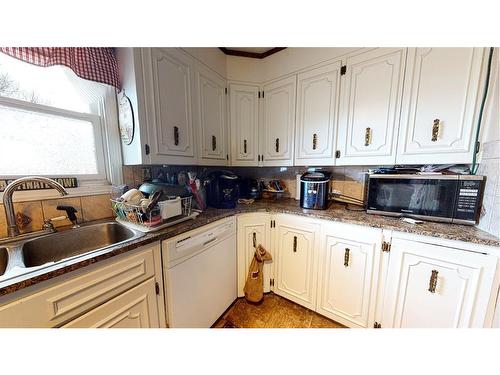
[435,130]
[433,281]
[368,136]
[277,145]
[245,147]
[254,239]
[315,141]
[346,257]
[214,142]
[176,135]
[294,244]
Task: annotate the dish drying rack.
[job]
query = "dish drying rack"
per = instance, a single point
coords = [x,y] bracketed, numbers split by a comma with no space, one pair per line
[133,216]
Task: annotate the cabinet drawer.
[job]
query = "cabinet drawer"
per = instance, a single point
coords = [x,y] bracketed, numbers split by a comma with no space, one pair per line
[75,295]
[136,308]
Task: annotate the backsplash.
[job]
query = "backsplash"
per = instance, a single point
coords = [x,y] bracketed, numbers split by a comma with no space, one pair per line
[490,167]
[91,207]
[347,180]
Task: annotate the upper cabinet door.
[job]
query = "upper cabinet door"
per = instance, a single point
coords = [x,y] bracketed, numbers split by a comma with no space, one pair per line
[211,117]
[371,103]
[440,104]
[431,286]
[244,109]
[278,123]
[170,123]
[317,115]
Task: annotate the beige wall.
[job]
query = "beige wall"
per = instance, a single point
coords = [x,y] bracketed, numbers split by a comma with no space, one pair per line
[490,155]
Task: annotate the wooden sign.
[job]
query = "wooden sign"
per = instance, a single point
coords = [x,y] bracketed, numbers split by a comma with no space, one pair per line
[67,182]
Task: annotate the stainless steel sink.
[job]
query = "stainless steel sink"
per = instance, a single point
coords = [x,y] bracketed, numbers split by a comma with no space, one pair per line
[4,259]
[21,257]
[67,244]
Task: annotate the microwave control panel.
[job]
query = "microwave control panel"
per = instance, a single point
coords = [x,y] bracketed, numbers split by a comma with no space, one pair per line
[468,199]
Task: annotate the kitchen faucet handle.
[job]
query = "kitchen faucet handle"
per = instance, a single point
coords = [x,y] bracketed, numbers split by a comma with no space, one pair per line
[48,223]
[70,212]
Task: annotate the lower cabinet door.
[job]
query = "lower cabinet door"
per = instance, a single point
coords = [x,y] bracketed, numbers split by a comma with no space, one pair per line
[253,229]
[431,286]
[136,308]
[348,274]
[296,244]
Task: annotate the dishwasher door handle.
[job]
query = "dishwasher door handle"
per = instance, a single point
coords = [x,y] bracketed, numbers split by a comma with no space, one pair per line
[209,241]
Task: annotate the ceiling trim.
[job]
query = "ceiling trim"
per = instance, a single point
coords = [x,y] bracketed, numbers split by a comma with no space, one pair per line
[253,55]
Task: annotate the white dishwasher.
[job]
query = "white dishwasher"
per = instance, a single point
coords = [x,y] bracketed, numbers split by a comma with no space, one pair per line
[200,274]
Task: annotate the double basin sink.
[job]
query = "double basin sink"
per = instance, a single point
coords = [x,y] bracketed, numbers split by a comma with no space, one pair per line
[22,257]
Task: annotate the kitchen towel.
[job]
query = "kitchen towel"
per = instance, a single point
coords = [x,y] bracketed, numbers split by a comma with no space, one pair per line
[254,288]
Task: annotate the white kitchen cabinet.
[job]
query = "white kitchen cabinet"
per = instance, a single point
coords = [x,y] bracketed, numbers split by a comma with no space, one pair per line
[370,111]
[434,286]
[253,229]
[349,269]
[169,87]
[318,92]
[278,122]
[65,298]
[136,308]
[212,130]
[296,243]
[440,105]
[244,115]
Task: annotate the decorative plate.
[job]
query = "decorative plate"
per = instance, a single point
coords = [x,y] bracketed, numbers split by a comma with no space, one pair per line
[125,118]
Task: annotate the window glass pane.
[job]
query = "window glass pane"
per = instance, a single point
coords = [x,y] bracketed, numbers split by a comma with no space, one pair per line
[38,143]
[56,86]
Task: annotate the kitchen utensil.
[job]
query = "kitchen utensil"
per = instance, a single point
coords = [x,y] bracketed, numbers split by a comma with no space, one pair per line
[133,196]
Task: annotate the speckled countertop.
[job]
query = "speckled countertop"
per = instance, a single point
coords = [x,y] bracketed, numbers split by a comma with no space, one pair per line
[290,206]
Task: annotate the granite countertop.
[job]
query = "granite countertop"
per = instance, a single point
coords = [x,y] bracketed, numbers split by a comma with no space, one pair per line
[289,206]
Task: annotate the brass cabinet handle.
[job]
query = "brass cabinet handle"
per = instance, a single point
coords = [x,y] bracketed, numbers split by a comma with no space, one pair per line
[315,141]
[245,147]
[435,130]
[294,244]
[433,281]
[277,145]
[368,136]
[346,257]
[214,142]
[176,135]
[254,239]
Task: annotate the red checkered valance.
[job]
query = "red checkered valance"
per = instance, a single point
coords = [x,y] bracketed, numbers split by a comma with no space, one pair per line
[94,64]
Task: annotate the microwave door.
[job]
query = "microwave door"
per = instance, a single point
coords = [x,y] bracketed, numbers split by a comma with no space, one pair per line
[423,197]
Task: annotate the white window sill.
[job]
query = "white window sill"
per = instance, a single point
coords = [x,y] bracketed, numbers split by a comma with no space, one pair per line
[36,195]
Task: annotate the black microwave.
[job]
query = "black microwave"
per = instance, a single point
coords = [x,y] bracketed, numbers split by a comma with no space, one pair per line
[446,198]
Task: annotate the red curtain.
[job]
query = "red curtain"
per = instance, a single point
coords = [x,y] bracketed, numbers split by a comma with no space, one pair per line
[94,64]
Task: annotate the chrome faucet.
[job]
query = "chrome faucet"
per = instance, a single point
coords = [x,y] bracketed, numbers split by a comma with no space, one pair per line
[12,228]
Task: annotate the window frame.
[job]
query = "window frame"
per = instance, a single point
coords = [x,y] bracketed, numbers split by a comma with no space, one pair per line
[104,118]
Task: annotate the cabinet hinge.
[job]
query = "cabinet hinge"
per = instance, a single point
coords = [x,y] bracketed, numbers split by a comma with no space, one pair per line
[271,282]
[343,70]
[259,94]
[225,90]
[157,288]
[377,325]
[386,246]
[146,149]
[478,145]
[227,156]
[273,223]
[337,154]
[262,94]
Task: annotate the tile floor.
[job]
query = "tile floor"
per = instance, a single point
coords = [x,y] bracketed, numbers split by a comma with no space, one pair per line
[273,312]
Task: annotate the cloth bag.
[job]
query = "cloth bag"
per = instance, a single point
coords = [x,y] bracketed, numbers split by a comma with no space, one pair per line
[254,288]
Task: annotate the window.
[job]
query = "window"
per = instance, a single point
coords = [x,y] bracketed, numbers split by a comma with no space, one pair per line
[51,123]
